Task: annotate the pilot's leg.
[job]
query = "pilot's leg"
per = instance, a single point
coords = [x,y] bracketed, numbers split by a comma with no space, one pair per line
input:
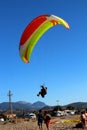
[39,94]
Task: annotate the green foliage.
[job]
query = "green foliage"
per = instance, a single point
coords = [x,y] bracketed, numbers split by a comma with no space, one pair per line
[70,107]
[56,108]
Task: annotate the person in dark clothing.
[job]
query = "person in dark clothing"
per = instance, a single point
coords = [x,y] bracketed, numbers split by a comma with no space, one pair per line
[43,91]
[40,119]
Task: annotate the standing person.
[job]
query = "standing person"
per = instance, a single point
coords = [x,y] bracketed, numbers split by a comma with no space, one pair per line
[84,119]
[47,118]
[40,119]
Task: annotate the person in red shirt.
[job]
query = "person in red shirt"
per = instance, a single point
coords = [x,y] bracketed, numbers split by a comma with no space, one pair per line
[47,119]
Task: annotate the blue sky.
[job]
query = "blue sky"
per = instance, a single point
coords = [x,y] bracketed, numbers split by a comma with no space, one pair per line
[59,59]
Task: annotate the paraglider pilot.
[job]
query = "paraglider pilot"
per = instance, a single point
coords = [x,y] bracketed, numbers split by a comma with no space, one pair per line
[43,91]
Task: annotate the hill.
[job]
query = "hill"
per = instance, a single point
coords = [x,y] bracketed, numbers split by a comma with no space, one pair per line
[22,105]
[80,105]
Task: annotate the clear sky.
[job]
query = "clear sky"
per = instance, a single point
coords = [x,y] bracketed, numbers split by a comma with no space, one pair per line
[59,59]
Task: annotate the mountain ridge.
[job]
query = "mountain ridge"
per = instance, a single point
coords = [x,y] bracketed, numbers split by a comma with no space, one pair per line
[22,105]
[37,105]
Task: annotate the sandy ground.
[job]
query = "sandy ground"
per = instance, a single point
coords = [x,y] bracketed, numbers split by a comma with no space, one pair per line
[56,124]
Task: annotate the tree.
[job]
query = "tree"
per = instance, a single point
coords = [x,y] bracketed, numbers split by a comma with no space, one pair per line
[70,107]
[56,108]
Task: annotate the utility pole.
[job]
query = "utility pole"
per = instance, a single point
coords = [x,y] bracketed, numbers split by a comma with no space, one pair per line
[10,103]
[57,104]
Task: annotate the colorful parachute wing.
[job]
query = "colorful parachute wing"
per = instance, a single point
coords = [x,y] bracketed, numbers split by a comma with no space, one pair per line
[34,31]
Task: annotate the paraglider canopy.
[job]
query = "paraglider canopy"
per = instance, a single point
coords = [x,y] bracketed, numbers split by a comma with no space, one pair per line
[35,29]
